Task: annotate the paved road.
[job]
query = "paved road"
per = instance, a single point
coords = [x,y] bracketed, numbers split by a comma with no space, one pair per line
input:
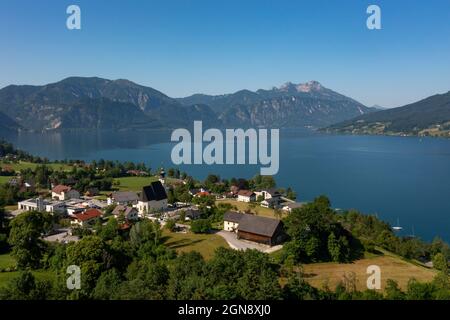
[235,243]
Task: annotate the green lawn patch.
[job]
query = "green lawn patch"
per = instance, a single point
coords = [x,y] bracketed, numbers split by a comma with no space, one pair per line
[205,244]
[134,183]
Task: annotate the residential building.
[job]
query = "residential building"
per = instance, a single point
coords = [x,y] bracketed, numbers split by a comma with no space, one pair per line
[292,205]
[269,203]
[62,192]
[37,204]
[87,218]
[152,198]
[231,221]
[246,196]
[254,228]
[129,213]
[124,198]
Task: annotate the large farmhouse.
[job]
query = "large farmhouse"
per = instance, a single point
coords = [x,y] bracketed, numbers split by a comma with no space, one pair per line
[152,198]
[254,228]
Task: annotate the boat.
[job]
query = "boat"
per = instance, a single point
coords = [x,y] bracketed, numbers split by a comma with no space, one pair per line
[397,227]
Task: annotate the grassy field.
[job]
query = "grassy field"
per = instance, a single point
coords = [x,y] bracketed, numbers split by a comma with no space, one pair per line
[392,267]
[134,183]
[5,277]
[205,244]
[5,179]
[28,165]
[242,206]
[6,261]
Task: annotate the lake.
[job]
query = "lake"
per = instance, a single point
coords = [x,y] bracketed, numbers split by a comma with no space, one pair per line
[397,178]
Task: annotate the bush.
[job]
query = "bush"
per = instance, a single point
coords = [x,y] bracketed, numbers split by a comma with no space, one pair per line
[201,226]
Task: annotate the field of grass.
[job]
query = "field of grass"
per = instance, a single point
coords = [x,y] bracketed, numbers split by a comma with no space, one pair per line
[242,206]
[205,244]
[28,165]
[5,179]
[5,277]
[392,267]
[134,183]
[6,261]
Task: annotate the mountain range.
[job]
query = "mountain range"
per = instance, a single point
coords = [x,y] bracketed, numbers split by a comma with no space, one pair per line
[95,103]
[427,117]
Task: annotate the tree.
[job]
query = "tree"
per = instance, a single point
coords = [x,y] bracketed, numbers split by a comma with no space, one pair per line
[171,225]
[26,287]
[92,256]
[107,285]
[145,231]
[392,291]
[25,237]
[334,248]
[201,226]
[440,262]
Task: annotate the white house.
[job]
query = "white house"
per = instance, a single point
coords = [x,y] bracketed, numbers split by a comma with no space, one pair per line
[62,192]
[152,198]
[270,203]
[129,213]
[291,206]
[246,196]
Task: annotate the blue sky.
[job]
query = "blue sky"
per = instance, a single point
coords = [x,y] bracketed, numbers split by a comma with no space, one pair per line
[221,46]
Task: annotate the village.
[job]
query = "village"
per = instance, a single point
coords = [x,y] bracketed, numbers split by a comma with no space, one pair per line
[242,227]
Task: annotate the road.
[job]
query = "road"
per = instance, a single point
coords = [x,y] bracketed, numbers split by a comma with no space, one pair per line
[235,243]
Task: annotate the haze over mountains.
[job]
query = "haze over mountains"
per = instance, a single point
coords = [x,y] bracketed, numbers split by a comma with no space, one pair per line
[95,103]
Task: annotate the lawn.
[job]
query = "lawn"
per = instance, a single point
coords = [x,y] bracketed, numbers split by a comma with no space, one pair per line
[392,267]
[5,179]
[205,244]
[5,277]
[134,183]
[21,165]
[6,261]
[242,206]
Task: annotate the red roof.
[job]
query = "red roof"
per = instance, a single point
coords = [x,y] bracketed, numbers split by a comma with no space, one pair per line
[202,194]
[88,215]
[60,188]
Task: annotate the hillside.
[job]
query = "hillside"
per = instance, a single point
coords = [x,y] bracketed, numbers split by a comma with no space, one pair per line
[427,117]
[95,103]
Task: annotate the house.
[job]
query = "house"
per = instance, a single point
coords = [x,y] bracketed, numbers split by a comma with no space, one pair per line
[192,214]
[129,213]
[269,203]
[292,205]
[152,198]
[124,198]
[261,229]
[268,194]
[246,196]
[194,192]
[254,228]
[62,192]
[86,218]
[91,192]
[231,221]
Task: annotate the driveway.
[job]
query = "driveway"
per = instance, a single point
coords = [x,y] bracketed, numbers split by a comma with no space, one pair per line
[62,236]
[237,244]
